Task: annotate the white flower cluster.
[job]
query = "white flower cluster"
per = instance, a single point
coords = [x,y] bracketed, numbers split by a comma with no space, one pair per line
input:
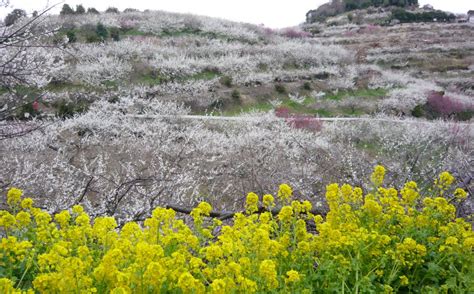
[126,159]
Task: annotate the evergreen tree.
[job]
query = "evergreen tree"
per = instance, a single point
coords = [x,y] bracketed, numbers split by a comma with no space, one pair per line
[130,10]
[92,10]
[66,10]
[101,31]
[112,10]
[80,9]
[13,16]
[358,4]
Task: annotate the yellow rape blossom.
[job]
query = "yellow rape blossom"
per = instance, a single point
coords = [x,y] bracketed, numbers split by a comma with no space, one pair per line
[63,218]
[27,203]
[285,193]
[7,220]
[285,214]
[14,196]
[403,280]
[268,200]
[7,286]
[460,194]
[251,204]
[444,181]
[381,241]
[292,277]
[23,218]
[410,193]
[77,209]
[205,208]
[218,286]
[268,272]
[373,207]
[378,176]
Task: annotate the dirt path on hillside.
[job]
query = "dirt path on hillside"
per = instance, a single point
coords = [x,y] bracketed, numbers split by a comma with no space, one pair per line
[250,119]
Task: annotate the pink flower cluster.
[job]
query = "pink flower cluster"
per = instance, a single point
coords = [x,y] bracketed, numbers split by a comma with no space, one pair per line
[299,121]
[445,105]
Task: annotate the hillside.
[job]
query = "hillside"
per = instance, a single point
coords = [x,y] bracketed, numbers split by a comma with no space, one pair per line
[337,7]
[229,67]
[109,104]
[156,152]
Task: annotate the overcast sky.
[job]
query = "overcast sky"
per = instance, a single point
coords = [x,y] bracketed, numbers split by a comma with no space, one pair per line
[271,13]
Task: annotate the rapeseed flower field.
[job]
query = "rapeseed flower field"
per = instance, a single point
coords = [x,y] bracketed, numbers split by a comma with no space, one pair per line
[381,240]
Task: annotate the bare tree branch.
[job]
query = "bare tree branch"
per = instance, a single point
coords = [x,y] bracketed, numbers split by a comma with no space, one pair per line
[223,215]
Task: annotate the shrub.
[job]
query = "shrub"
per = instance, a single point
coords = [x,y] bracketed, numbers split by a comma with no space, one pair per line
[307,86]
[350,17]
[71,35]
[378,241]
[226,81]
[25,111]
[428,16]
[92,37]
[417,111]
[216,104]
[235,94]
[465,115]
[101,31]
[280,88]
[262,66]
[67,109]
[115,34]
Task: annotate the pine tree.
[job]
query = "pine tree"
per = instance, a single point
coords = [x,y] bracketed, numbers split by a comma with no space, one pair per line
[80,9]
[66,10]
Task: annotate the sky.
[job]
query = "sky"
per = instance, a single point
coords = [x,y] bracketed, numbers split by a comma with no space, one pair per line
[271,13]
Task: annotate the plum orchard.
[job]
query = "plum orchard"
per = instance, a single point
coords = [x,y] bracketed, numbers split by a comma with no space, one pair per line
[379,240]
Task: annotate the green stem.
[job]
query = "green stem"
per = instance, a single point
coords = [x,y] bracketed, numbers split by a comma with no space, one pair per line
[22,277]
[372,270]
[357,273]
[393,272]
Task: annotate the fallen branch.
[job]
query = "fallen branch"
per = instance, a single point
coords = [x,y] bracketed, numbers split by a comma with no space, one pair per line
[228,215]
